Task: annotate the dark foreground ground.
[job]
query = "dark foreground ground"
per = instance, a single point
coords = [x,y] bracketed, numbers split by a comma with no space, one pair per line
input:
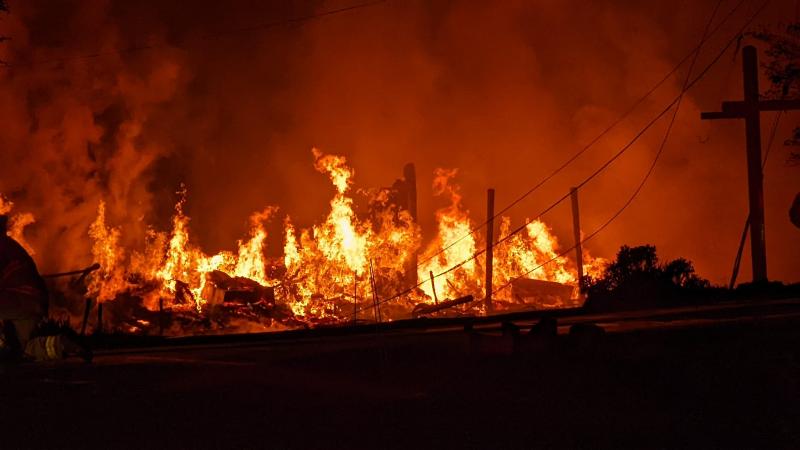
[725,378]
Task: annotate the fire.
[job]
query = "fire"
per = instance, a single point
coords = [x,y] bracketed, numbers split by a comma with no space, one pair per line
[185,268]
[454,244]
[331,270]
[5,205]
[108,253]
[180,258]
[330,262]
[250,262]
[532,252]
[340,239]
[17,223]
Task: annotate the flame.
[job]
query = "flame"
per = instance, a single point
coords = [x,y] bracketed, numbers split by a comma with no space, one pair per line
[339,265]
[109,280]
[454,244]
[5,205]
[332,256]
[593,267]
[336,167]
[250,262]
[533,252]
[180,257]
[17,224]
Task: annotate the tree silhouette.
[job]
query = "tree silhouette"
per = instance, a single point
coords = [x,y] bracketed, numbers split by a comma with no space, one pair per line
[635,279]
[783,70]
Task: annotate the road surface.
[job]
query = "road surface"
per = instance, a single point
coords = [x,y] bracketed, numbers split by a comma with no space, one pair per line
[705,377]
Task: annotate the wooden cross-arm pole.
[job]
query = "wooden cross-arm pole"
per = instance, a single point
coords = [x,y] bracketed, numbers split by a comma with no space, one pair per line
[750,109]
[739,109]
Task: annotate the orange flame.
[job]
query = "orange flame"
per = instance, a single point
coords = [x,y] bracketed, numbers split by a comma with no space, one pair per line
[17,224]
[109,280]
[327,266]
[454,231]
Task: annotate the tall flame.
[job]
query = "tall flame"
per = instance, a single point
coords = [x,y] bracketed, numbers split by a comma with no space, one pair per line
[250,262]
[344,260]
[454,244]
[179,259]
[106,250]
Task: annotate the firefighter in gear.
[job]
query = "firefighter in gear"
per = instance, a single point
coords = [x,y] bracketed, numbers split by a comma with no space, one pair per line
[23,307]
[23,293]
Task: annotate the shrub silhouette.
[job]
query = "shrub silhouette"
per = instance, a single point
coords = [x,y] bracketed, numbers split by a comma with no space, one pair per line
[637,280]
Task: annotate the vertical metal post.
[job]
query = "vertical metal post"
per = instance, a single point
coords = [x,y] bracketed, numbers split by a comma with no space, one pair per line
[576,230]
[489,248]
[754,173]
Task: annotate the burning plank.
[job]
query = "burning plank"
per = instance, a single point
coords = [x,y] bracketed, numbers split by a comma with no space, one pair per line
[221,287]
[548,294]
[424,309]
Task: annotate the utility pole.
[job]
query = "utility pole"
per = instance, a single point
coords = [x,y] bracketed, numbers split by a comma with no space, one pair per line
[410,190]
[576,229]
[489,248]
[750,109]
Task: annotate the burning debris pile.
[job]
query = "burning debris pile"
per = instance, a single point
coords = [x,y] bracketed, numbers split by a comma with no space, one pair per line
[332,272]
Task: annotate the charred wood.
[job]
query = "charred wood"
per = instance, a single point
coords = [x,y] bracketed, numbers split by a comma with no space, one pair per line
[425,309]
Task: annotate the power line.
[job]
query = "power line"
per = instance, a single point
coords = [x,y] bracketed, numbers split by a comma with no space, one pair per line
[662,146]
[218,34]
[638,135]
[591,143]
[686,87]
[771,138]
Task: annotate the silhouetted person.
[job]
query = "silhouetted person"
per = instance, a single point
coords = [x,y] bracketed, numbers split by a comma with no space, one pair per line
[23,308]
[23,293]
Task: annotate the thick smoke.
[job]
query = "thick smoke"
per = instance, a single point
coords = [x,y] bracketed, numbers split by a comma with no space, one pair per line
[504,91]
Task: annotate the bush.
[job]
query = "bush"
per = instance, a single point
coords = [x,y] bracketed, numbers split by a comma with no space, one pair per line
[637,280]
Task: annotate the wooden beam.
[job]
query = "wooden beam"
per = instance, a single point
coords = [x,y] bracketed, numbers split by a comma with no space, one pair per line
[489,248]
[576,230]
[742,108]
[755,176]
[424,309]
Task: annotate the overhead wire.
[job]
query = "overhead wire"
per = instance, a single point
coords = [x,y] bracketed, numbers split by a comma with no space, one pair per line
[591,143]
[662,145]
[636,137]
[686,87]
[209,36]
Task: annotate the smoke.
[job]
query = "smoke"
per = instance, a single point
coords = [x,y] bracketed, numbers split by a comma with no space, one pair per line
[503,91]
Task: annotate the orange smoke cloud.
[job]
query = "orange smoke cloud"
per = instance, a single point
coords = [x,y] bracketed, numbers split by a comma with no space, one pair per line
[505,92]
